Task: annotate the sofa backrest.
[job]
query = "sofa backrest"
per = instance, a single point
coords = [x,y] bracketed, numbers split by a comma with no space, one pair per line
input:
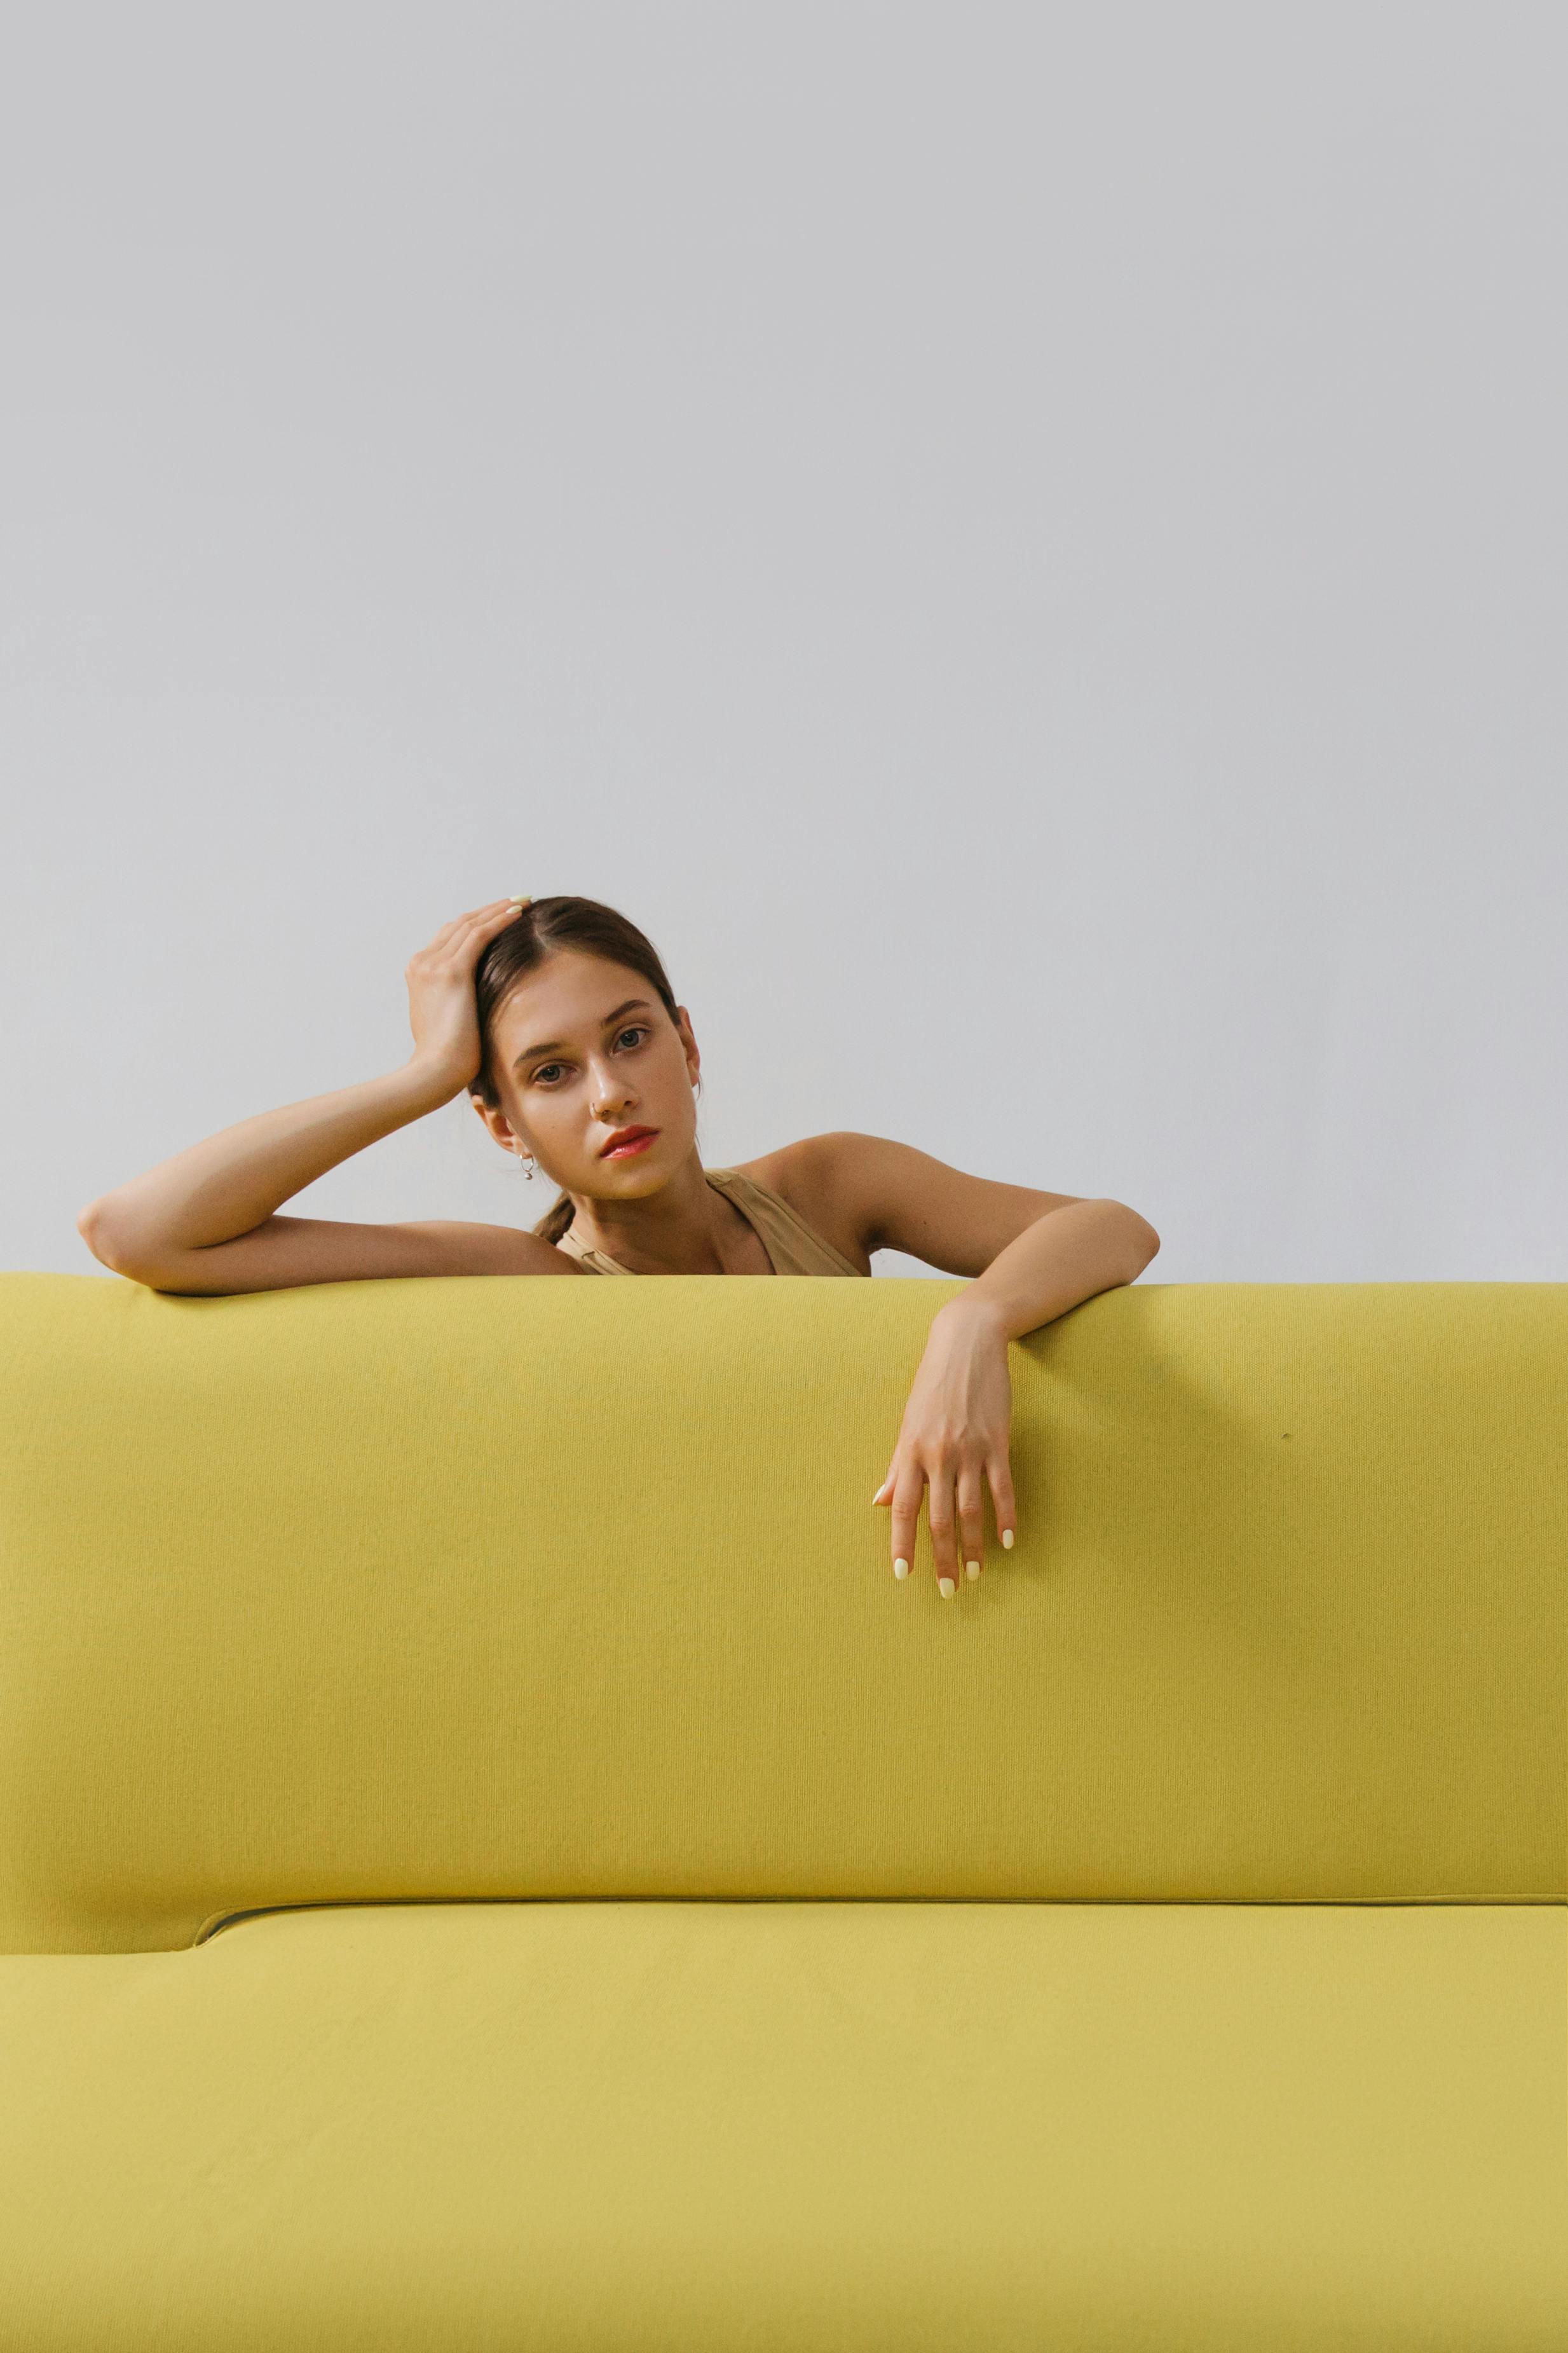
[495,1588]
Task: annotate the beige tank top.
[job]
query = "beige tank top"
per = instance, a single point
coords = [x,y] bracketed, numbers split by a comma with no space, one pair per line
[792,1247]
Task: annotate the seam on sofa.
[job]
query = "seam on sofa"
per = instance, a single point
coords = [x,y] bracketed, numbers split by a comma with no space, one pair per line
[220,1920]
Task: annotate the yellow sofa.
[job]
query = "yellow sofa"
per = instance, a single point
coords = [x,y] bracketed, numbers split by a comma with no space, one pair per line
[491,1860]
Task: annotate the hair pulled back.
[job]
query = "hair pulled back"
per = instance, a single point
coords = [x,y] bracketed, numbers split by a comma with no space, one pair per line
[544,928]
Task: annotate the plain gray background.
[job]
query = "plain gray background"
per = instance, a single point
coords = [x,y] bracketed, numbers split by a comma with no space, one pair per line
[1023,545]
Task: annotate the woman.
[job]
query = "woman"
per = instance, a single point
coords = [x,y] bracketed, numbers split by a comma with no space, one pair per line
[557,1017]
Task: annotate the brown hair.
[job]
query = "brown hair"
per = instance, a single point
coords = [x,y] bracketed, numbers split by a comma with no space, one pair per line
[542,928]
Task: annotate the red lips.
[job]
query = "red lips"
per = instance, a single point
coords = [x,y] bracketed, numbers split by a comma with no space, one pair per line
[624,1135]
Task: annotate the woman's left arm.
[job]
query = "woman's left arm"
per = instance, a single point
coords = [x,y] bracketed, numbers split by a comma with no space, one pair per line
[958,1421]
[1033,1255]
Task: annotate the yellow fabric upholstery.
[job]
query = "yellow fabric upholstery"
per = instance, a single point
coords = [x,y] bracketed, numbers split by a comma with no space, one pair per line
[489,1588]
[793,2127]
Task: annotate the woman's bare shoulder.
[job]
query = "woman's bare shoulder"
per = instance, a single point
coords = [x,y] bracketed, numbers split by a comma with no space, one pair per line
[869,1193]
[815,1177]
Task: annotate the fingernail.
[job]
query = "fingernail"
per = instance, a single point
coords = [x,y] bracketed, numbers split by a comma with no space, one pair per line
[1006,1539]
[972,1569]
[946,1588]
[901,1569]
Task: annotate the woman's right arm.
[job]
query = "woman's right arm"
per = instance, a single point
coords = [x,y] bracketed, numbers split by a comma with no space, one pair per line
[206,1221]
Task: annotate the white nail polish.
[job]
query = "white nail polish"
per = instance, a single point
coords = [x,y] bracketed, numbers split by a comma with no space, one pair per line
[901,1569]
[946,1588]
[972,1569]
[1006,1539]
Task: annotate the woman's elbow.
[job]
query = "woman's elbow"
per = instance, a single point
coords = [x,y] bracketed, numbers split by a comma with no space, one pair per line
[1145,1240]
[109,1241]
[93,1226]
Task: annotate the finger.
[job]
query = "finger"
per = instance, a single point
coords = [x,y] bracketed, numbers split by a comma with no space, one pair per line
[449,931]
[486,919]
[909,1486]
[940,1520]
[433,945]
[884,1490]
[467,944]
[476,914]
[999,1471]
[497,919]
[972,1517]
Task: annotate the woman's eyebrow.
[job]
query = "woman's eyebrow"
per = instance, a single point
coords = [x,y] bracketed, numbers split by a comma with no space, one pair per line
[558,1045]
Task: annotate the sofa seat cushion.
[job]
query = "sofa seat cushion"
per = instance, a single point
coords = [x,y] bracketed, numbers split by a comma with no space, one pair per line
[697,2127]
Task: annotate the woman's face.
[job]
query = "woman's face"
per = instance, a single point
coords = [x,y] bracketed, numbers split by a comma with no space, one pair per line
[581,1049]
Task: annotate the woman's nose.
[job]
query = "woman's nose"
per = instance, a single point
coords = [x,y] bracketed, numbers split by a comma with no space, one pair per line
[610,1095]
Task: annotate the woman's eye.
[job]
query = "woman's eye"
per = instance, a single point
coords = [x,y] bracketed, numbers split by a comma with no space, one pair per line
[634,1030]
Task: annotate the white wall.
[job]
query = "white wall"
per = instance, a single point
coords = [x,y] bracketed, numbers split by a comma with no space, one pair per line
[1023,545]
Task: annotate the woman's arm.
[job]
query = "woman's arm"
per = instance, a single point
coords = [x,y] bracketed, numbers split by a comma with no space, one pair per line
[1059,1261]
[229,1184]
[957,1426]
[1034,1255]
[206,1221]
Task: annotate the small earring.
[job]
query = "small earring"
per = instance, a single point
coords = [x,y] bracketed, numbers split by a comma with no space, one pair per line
[525,1162]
